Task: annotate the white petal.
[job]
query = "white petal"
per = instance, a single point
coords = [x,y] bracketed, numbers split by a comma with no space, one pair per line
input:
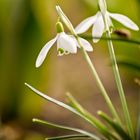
[98,28]
[66,43]
[44,51]
[109,20]
[86,45]
[125,21]
[85,24]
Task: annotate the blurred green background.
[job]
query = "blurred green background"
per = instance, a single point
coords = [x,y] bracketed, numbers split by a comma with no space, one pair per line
[25,26]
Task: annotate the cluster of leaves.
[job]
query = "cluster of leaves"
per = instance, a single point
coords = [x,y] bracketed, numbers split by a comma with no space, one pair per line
[110,129]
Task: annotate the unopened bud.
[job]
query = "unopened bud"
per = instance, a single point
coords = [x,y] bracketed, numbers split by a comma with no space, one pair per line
[59,27]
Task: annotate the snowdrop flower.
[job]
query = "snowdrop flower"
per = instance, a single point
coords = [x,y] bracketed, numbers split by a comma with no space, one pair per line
[97,22]
[65,44]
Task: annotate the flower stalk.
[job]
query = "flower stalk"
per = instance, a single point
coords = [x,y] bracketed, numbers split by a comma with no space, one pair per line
[117,77]
[99,83]
[67,22]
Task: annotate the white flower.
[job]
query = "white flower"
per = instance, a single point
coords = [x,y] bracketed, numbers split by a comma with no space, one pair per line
[65,44]
[98,23]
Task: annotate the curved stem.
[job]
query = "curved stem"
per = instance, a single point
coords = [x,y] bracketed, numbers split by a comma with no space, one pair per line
[118,80]
[85,133]
[99,83]
[133,41]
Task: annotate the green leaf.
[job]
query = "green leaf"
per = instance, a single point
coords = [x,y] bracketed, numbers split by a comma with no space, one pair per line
[125,61]
[61,104]
[86,116]
[118,129]
[73,102]
[101,127]
[66,137]
[85,133]
[133,41]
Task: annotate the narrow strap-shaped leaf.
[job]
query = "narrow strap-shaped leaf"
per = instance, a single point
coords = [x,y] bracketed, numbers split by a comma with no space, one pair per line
[85,133]
[61,104]
[138,127]
[66,137]
[74,103]
[125,61]
[133,41]
[89,118]
[118,129]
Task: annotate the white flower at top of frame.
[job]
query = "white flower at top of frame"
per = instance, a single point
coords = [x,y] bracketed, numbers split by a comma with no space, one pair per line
[65,44]
[98,24]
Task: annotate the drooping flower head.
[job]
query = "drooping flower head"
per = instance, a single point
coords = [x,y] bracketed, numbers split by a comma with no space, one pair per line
[98,22]
[65,45]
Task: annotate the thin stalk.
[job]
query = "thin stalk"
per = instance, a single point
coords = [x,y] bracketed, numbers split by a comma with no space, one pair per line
[118,80]
[66,137]
[74,103]
[118,129]
[132,41]
[66,128]
[92,120]
[99,83]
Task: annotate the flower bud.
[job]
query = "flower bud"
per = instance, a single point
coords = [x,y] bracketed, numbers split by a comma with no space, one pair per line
[59,27]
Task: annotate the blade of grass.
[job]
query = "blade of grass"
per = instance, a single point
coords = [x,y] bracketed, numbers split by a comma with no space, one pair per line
[121,60]
[85,133]
[74,103]
[118,78]
[61,104]
[66,137]
[118,129]
[99,83]
[89,118]
[133,41]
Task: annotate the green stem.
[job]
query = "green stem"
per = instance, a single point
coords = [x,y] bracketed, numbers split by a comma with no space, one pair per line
[92,120]
[99,83]
[133,41]
[118,80]
[66,128]
[66,137]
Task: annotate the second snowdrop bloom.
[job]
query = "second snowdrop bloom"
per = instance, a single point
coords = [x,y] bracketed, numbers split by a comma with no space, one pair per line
[65,44]
[97,22]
